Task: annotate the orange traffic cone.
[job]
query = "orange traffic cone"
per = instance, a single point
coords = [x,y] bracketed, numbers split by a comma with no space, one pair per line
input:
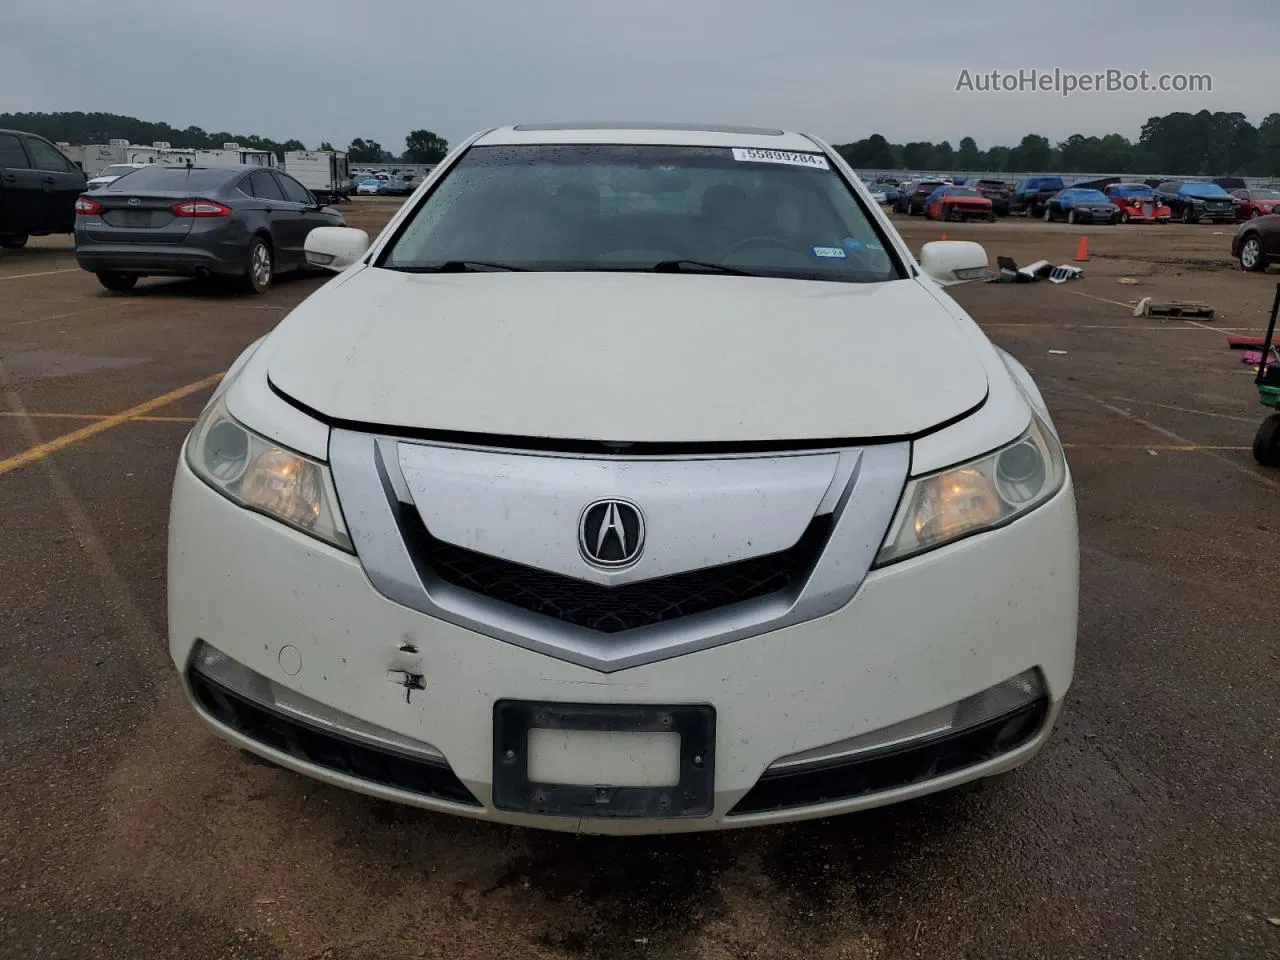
[1082,250]
[943,237]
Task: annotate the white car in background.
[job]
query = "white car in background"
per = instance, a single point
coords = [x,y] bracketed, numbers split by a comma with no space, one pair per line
[112,173]
[634,480]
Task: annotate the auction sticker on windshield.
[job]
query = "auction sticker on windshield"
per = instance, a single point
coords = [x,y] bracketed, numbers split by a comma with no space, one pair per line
[754,155]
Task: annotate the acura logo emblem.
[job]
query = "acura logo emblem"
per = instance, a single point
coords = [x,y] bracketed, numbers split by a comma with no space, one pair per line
[611,533]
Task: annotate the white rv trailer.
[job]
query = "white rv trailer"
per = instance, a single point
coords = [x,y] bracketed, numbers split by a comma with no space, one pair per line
[323,172]
[231,153]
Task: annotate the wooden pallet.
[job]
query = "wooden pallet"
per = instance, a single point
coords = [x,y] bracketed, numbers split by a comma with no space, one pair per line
[1173,308]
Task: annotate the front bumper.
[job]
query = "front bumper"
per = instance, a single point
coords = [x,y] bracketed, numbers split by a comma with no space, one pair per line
[919,635]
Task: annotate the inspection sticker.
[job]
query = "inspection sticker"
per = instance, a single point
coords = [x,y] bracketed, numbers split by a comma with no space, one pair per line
[834,252]
[753,155]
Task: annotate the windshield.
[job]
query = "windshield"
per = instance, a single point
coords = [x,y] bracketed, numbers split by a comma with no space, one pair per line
[1087,196]
[1204,190]
[116,170]
[962,192]
[1265,194]
[1132,190]
[636,207]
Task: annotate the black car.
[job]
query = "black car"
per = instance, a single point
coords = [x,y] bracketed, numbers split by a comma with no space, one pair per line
[38,189]
[239,222]
[1081,205]
[997,191]
[913,198]
[1192,201]
[1031,194]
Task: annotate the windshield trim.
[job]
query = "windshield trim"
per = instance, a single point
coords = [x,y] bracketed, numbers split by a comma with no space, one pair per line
[893,248]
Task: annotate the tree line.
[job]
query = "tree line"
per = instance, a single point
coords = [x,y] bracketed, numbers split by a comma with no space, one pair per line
[1200,144]
[421,146]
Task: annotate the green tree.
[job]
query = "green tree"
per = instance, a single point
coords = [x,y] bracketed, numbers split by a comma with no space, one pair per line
[1267,162]
[326,145]
[1031,155]
[875,153]
[996,159]
[423,146]
[365,151]
[968,156]
[918,155]
[944,156]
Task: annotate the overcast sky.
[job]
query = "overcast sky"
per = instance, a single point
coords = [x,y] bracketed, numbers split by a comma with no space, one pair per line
[322,70]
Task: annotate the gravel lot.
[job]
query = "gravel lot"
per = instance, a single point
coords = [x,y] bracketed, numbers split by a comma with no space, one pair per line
[1149,827]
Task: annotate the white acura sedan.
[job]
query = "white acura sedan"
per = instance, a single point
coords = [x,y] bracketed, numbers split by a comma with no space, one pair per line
[635,479]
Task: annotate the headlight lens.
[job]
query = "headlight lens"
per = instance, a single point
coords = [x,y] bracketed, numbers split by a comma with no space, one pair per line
[976,496]
[259,475]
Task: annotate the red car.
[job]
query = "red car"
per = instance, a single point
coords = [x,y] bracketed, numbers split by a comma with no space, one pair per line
[957,203]
[1137,203]
[1255,203]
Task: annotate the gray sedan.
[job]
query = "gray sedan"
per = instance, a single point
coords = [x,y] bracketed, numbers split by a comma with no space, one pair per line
[238,222]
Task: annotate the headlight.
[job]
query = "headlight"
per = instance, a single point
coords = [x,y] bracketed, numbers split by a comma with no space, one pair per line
[259,475]
[976,496]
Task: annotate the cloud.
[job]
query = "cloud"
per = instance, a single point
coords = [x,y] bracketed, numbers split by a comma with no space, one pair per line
[323,70]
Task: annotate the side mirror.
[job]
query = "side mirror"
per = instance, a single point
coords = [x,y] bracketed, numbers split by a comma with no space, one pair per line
[335,248]
[953,261]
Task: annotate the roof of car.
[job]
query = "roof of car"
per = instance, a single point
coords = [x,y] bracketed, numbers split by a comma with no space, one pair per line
[670,134]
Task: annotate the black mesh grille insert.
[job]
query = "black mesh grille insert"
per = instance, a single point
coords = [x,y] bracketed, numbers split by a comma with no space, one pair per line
[895,767]
[614,609]
[325,749]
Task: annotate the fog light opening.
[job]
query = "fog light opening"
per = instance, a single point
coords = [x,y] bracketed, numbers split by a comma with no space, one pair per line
[1004,698]
[215,665]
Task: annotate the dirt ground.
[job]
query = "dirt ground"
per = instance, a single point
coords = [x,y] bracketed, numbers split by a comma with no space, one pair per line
[1148,827]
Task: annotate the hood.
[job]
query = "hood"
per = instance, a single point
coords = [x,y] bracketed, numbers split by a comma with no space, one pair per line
[628,357]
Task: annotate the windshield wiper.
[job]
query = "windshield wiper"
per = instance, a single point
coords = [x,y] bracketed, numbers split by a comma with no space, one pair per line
[697,266]
[457,266]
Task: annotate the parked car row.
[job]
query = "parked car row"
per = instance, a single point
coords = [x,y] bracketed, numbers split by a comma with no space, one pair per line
[385,185]
[1052,198]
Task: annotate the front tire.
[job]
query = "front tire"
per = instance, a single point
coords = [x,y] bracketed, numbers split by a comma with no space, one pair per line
[1124,216]
[260,268]
[15,242]
[991,218]
[1071,217]
[119,282]
[1048,214]
[1251,258]
[1188,216]
[1266,442]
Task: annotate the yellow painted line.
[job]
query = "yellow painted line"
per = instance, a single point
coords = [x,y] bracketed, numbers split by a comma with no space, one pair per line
[56,316]
[1117,303]
[93,416]
[42,450]
[45,273]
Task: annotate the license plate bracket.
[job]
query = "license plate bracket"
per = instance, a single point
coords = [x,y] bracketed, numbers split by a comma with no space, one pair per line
[514,791]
